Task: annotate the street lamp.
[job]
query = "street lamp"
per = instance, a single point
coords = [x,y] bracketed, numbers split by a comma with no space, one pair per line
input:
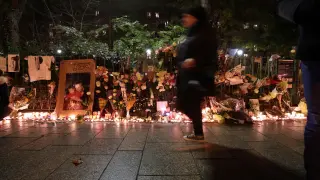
[59,51]
[148,51]
[240,52]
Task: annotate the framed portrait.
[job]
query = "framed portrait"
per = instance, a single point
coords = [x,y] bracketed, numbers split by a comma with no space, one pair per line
[13,63]
[76,87]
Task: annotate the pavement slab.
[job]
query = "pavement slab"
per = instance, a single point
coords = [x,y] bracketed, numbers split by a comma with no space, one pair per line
[124,165]
[150,151]
[91,168]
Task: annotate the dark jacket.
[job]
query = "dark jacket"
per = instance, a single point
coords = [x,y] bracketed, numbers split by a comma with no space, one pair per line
[4,98]
[306,14]
[200,45]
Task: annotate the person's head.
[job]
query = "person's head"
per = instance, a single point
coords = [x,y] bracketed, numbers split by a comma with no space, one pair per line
[79,87]
[194,16]
[71,90]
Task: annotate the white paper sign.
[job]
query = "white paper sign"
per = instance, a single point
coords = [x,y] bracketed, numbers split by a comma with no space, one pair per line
[39,67]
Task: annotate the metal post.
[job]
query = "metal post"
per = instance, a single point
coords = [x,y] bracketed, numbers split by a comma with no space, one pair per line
[252,66]
[260,69]
[268,66]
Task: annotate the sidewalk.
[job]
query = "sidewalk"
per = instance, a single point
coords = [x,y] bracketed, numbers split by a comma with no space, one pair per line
[111,151]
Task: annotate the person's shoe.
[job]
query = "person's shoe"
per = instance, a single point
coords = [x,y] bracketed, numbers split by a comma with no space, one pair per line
[193,137]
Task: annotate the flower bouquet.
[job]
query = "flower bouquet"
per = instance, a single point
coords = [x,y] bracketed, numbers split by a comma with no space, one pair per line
[129,104]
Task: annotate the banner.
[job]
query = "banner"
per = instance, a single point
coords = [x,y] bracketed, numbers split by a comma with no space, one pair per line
[3,64]
[13,63]
[39,67]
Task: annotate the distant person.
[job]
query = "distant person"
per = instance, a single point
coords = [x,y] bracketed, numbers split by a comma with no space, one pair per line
[4,97]
[306,14]
[197,58]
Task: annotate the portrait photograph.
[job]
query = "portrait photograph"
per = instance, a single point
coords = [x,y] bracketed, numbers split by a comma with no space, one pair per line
[76,92]
[13,63]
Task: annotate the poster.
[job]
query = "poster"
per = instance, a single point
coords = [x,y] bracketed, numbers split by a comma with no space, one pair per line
[13,63]
[76,87]
[39,67]
[3,64]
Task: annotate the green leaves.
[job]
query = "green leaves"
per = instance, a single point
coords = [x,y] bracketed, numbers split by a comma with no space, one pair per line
[73,42]
[135,38]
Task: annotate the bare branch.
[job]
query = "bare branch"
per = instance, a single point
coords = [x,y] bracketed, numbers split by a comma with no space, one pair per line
[71,7]
[85,10]
[50,13]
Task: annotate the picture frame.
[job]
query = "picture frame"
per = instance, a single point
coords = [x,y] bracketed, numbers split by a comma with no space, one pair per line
[76,87]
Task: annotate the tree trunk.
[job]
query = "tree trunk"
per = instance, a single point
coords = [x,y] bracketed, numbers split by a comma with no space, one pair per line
[13,29]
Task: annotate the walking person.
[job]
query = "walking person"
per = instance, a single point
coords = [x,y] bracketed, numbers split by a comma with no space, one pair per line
[4,97]
[305,13]
[197,63]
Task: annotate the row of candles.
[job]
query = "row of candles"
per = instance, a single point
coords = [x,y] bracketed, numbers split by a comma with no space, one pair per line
[288,116]
[165,117]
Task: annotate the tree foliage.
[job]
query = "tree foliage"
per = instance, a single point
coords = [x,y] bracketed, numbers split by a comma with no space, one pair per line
[172,34]
[74,42]
[135,38]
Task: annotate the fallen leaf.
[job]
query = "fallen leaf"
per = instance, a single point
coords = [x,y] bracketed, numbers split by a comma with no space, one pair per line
[77,162]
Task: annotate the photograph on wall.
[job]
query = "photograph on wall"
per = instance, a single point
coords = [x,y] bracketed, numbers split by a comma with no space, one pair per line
[39,67]
[13,63]
[3,64]
[76,92]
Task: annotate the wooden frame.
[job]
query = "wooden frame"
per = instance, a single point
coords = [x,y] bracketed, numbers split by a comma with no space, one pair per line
[75,67]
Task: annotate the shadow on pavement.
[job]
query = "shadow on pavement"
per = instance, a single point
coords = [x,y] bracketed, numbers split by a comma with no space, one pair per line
[217,162]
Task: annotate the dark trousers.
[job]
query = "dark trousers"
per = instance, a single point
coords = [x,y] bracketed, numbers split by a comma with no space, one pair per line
[311,80]
[194,112]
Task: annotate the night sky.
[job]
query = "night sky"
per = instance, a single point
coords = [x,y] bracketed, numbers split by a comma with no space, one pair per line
[36,15]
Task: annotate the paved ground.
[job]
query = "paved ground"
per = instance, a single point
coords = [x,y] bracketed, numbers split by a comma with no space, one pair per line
[268,151]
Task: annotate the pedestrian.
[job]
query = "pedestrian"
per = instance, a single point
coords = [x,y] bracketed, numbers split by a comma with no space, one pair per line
[197,63]
[4,97]
[306,13]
